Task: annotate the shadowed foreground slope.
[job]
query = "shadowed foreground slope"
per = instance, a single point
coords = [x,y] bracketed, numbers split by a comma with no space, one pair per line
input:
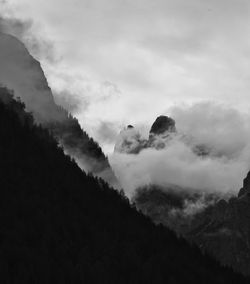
[58,225]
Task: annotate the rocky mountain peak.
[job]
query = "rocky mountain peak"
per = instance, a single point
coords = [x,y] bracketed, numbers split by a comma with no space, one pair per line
[163,124]
[130,126]
[130,140]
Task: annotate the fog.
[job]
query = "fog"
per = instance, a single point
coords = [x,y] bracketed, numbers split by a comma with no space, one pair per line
[222,132]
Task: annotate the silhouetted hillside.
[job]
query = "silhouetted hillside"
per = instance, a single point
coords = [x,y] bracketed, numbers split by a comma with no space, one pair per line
[59,225]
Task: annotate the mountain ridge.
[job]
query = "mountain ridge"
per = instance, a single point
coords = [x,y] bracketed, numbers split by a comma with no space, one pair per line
[23,74]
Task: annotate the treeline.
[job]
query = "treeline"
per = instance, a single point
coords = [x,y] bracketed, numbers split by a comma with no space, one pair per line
[68,131]
[59,225]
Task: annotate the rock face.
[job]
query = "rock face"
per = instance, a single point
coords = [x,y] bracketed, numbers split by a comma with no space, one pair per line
[130,140]
[20,72]
[162,130]
[162,124]
[222,229]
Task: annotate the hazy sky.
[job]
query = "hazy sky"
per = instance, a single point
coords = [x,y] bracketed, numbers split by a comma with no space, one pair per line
[118,62]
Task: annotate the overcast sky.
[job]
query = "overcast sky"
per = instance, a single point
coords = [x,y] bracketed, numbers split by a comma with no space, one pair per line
[119,62]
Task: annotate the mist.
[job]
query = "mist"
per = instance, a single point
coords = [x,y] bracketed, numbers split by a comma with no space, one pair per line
[22,73]
[222,131]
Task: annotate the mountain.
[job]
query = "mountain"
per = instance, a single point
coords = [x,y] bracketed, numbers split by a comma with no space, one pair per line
[130,140]
[219,227]
[23,74]
[20,72]
[59,225]
[222,229]
[162,124]
[162,131]
[172,206]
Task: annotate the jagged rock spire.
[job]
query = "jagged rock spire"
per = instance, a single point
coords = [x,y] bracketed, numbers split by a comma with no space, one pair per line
[162,124]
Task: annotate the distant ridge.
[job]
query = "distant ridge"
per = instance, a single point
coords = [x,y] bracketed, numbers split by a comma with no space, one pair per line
[221,229]
[23,74]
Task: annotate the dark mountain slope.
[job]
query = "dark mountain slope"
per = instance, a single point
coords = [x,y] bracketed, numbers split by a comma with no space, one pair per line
[222,229]
[58,225]
[23,74]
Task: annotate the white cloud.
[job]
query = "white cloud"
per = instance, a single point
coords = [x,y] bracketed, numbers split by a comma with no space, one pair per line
[223,131]
[157,53]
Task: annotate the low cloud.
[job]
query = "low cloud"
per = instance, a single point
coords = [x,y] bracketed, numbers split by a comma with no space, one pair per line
[15,27]
[31,34]
[223,131]
[107,132]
